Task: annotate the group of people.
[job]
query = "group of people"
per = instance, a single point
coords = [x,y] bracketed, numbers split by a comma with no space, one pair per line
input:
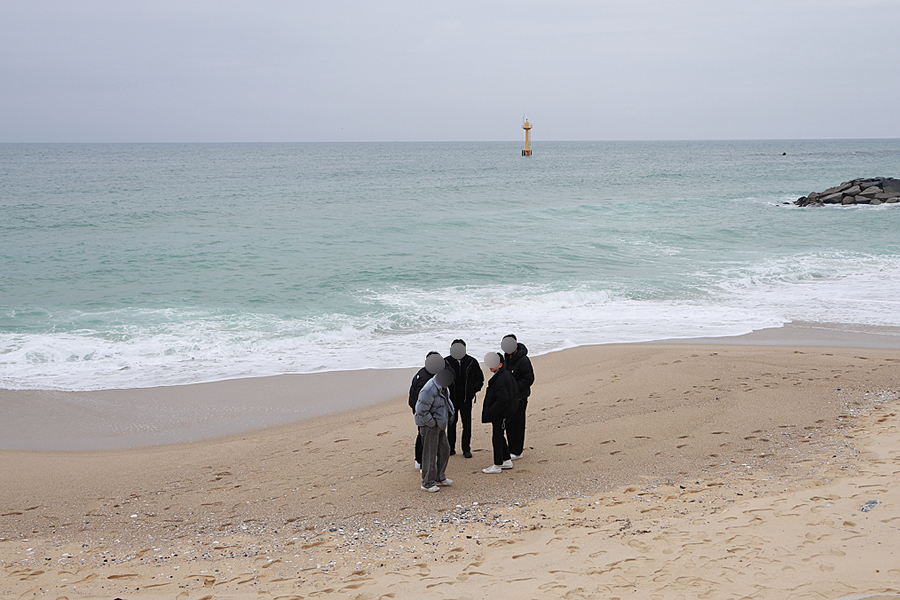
[442,394]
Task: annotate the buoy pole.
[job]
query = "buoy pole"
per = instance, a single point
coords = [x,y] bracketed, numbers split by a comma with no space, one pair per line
[527,127]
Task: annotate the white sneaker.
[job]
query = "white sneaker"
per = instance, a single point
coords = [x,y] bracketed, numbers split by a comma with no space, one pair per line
[418,465]
[433,488]
[515,456]
[507,464]
[492,469]
[445,482]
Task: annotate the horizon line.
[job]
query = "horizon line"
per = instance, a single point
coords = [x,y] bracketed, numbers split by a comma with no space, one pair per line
[460,141]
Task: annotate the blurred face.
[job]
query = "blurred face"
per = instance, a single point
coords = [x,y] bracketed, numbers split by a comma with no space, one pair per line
[497,368]
[445,378]
[458,351]
[434,363]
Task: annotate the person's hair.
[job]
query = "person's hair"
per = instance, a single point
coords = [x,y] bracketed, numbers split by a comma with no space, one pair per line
[458,342]
[513,336]
[432,352]
[501,357]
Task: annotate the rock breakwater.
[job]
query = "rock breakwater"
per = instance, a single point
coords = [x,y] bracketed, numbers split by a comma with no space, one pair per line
[876,190]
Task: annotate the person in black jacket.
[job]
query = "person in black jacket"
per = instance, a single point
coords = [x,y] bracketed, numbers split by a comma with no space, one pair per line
[517,362]
[432,366]
[469,380]
[500,402]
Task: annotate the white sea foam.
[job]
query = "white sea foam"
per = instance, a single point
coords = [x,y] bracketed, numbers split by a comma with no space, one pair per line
[174,348]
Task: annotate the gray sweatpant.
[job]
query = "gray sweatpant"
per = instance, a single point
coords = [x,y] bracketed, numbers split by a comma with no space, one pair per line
[435,455]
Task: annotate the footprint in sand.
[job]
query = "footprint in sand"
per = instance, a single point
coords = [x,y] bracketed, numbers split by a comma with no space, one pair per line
[146,587]
[356,584]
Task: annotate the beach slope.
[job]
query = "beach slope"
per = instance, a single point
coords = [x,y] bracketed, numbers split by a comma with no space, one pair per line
[650,471]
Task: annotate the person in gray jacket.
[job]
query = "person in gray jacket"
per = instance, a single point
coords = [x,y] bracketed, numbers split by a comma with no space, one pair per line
[433,412]
[433,364]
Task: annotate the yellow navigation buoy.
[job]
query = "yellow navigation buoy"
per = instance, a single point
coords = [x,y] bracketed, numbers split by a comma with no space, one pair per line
[527,127]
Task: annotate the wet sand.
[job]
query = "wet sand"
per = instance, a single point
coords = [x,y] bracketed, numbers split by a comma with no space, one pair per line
[650,471]
[120,419]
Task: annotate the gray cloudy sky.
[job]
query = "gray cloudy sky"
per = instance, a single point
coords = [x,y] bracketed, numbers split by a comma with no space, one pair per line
[278,70]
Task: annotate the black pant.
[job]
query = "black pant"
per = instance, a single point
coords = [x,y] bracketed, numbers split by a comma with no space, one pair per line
[463,413]
[515,428]
[419,448]
[498,441]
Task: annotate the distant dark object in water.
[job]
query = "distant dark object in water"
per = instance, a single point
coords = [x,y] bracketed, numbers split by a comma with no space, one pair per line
[874,191]
[784,153]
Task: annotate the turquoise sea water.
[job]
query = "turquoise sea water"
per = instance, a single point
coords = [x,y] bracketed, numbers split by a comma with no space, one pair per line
[154,264]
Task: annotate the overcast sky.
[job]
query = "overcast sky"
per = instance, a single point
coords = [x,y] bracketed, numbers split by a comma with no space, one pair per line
[177,70]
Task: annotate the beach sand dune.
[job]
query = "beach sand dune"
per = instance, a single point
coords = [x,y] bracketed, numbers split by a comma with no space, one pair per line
[650,471]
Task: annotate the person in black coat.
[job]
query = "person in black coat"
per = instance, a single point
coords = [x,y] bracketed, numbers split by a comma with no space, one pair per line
[500,402]
[519,365]
[432,366]
[469,380]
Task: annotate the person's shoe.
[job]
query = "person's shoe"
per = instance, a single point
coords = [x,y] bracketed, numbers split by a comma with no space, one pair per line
[467,454]
[433,488]
[445,482]
[515,456]
[492,469]
[507,464]
[418,466]
[452,451]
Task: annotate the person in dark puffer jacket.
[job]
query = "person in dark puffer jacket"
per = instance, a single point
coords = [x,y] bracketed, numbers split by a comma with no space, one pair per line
[517,362]
[500,402]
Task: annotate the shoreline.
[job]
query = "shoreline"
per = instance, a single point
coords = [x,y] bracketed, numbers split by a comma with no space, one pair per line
[144,417]
[671,469]
[800,333]
[48,420]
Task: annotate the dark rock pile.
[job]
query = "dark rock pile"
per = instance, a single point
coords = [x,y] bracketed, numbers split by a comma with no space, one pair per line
[877,190]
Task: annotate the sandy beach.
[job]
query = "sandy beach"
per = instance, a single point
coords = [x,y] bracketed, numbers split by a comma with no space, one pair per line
[701,470]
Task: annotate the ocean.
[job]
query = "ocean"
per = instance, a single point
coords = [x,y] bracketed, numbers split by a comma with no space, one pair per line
[139,265]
